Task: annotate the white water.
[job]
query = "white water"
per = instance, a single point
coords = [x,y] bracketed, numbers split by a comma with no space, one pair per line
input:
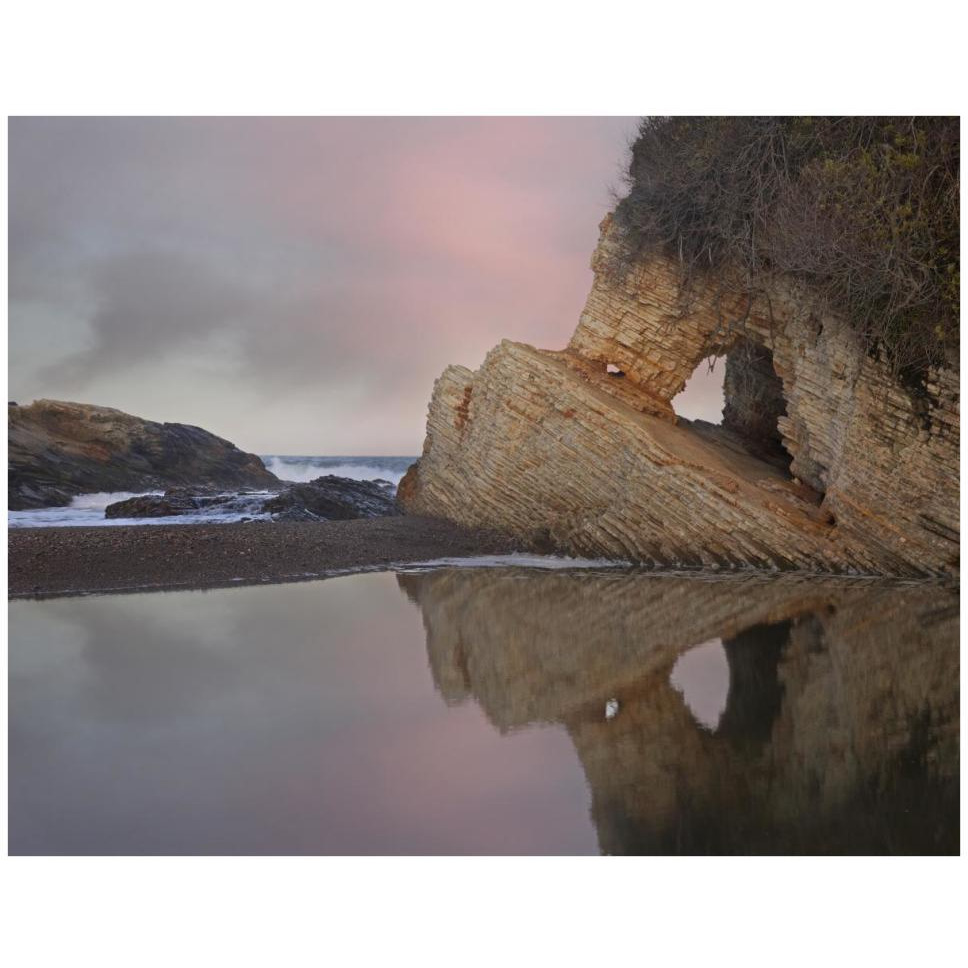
[87,510]
[303,469]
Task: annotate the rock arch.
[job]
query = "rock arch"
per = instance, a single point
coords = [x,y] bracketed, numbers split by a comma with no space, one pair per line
[823,462]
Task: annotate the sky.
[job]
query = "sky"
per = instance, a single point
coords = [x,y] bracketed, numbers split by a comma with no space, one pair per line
[297,284]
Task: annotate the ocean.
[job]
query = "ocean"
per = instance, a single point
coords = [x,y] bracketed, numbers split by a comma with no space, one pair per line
[306,468]
[87,510]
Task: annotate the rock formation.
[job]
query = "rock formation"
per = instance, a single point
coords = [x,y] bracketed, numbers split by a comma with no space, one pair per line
[840,731]
[177,501]
[57,450]
[328,498]
[332,498]
[824,461]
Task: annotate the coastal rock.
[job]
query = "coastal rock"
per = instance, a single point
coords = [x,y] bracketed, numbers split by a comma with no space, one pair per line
[824,462]
[57,450]
[175,501]
[331,498]
[328,498]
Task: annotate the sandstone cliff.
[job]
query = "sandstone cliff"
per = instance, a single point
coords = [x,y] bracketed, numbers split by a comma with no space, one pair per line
[824,461]
[58,449]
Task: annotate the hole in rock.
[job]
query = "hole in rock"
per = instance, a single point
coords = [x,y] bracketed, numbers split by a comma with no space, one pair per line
[754,402]
[743,395]
[702,396]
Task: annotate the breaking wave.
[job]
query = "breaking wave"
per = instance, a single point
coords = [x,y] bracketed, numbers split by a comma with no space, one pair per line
[302,468]
[84,510]
[87,510]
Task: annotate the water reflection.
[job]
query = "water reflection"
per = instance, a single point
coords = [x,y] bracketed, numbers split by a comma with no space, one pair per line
[287,719]
[620,712]
[701,675]
[839,731]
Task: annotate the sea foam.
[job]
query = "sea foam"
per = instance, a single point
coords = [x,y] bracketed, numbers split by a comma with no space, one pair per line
[87,510]
[303,468]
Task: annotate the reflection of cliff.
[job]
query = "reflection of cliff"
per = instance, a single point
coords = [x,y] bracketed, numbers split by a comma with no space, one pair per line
[840,731]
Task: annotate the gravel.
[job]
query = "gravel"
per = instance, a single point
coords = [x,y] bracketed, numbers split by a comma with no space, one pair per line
[70,561]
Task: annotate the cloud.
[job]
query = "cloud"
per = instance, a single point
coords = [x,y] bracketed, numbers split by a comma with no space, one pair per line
[148,306]
[294,284]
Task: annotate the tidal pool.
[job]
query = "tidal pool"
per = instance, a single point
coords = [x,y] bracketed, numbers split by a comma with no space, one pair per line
[490,711]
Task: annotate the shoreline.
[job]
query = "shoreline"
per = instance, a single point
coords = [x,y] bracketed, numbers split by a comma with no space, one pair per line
[66,561]
[59,562]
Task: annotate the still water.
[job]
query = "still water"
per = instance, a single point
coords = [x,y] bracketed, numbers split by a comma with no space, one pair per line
[497,711]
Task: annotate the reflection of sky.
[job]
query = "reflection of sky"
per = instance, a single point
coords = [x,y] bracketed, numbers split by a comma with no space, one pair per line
[295,284]
[304,719]
[284,719]
[702,676]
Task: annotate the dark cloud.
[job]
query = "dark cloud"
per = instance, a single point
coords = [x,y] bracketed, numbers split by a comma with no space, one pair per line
[149,305]
[294,284]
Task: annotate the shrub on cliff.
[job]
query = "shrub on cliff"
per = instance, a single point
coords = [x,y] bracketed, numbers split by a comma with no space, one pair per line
[864,208]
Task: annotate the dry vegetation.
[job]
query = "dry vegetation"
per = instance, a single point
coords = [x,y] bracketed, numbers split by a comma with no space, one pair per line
[866,209]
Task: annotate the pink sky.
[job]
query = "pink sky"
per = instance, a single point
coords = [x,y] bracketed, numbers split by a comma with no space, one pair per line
[295,285]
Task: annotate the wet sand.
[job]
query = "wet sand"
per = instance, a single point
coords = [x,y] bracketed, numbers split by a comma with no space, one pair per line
[71,561]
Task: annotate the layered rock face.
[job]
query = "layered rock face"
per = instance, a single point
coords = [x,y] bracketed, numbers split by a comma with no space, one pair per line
[57,450]
[824,461]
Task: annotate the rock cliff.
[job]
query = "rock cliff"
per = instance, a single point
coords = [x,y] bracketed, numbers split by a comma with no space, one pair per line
[57,450]
[824,461]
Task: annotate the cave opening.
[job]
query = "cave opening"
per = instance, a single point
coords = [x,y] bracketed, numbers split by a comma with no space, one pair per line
[702,397]
[741,393]
[754,402]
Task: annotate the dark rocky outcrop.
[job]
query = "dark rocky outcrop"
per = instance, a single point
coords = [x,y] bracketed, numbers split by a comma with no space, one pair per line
[172,502]
[327,498]
[184,500]
[57,450]
[331,498]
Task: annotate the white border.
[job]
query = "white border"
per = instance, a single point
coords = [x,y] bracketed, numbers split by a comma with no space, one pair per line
[606,57]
